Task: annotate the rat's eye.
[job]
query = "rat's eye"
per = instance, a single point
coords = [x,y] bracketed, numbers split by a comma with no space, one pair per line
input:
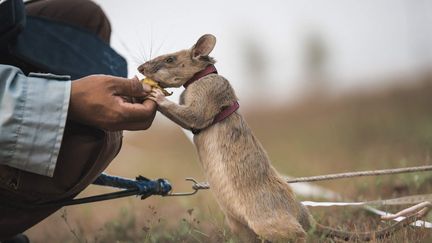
[169,60]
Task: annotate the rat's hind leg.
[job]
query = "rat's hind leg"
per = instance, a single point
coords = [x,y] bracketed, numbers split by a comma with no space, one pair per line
[279,228]
[241,231]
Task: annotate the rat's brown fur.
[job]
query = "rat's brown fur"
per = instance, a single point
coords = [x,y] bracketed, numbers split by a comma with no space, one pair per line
[257,202]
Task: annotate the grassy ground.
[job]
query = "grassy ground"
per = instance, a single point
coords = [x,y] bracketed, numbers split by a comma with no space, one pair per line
[359,132]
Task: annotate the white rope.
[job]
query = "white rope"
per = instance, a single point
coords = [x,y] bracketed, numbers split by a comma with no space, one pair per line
[418,223]
[367,205]
[415,199]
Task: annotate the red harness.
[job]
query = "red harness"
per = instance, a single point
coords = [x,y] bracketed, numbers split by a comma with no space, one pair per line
[224,113]
[206,71]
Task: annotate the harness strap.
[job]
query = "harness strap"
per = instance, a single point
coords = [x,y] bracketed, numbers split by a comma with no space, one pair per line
[208,70]
[220,116]
[226,112]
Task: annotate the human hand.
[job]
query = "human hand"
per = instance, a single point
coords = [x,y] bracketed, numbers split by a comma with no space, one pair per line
[102,101]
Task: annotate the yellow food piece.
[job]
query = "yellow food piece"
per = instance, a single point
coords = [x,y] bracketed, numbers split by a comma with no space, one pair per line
[155,85]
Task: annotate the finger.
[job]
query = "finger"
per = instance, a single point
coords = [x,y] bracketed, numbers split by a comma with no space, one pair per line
[131,126]
[159,92]
[136,126]
[138,112]
[147,88]
[152,94]
[129,87]
[137,100]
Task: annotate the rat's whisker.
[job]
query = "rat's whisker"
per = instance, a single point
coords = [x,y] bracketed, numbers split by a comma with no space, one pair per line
[137,61]
[151,41]
[129,54]
[161,44]
[141,48]
[141,51]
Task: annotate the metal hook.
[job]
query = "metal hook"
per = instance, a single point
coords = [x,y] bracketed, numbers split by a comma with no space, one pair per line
[175,194]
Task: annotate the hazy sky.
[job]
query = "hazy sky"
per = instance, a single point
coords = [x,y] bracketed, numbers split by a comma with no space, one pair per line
[364,39]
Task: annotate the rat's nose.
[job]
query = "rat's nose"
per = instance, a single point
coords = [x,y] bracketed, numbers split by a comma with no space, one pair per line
[145,67]
[141,68]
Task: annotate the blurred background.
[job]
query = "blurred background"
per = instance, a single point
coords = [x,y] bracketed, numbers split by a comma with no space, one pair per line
[295,47]
[327,87]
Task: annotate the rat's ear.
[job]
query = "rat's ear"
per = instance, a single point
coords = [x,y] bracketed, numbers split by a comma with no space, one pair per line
[204,46]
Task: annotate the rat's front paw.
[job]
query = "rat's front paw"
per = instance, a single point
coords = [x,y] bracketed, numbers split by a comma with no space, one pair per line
[157,96]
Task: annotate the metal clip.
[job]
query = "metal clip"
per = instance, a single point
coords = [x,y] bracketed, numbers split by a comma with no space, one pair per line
[175,194]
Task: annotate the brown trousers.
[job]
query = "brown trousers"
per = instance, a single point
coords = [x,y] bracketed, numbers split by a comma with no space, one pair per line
[85,151]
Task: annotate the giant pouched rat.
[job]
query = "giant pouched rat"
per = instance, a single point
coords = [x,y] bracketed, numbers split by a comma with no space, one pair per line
[257,202]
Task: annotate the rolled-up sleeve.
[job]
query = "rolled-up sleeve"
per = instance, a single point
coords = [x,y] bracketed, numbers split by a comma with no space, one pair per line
[33,112]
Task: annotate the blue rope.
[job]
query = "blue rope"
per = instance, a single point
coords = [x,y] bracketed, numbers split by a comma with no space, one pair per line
[144,186]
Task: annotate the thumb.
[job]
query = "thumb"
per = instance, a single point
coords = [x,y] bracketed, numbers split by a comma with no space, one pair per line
[129,87]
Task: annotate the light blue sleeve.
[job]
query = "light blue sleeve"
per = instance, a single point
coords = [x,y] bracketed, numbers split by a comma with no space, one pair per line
[33,113]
